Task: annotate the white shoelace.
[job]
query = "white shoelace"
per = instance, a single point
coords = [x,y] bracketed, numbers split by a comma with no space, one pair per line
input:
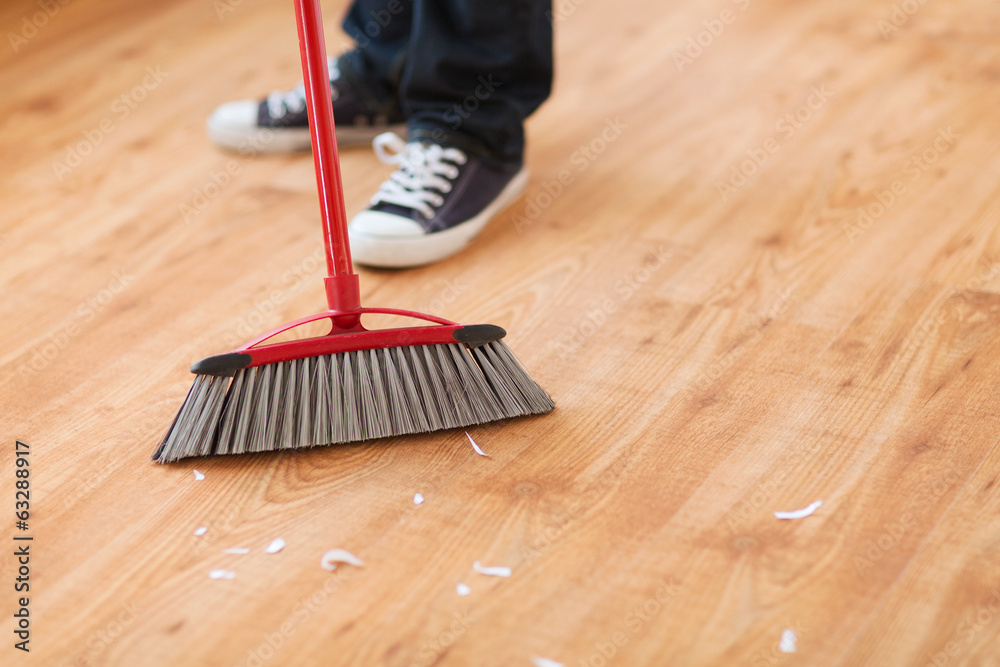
[423,168]
[281,102]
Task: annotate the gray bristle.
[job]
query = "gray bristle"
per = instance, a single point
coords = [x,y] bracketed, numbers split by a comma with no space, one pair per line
[350,397]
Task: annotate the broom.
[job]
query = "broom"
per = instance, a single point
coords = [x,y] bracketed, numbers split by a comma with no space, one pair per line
[352,384]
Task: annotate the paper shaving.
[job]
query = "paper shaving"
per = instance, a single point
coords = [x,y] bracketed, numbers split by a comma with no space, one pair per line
[418,498]
[275,546]
[462,589]
[545,662]
[788,640]
[497,571]
[236,550]
[334,556]
[475,446]
[221,574]
[199,476]
[201,531]
[798,514]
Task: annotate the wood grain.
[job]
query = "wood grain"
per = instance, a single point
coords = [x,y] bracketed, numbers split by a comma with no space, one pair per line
[721,344]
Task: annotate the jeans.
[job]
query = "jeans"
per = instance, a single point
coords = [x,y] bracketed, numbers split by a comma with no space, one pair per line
[463,72]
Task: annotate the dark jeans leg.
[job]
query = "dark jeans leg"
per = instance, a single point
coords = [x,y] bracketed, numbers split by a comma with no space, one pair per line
[381,31]
[475,70]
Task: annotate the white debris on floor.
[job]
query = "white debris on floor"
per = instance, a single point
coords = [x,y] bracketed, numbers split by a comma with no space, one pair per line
[495,571]
[201,531]
[462,589]
[538,661]
[475,446]
[334,556]
[236,550]
[418,498]
[275,546]
[799,514]
[199,476]
[788,641]
[221,574]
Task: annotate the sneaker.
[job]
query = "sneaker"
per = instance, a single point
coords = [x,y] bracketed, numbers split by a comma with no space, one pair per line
[438,199]
[280,124]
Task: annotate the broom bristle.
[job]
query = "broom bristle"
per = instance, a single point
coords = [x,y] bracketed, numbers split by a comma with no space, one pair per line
[349,397]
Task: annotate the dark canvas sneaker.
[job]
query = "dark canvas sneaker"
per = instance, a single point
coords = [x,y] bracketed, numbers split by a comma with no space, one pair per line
[280,124]
[438,199]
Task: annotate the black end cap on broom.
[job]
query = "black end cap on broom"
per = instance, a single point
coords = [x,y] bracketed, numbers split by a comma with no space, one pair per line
[222,364]
[475,335]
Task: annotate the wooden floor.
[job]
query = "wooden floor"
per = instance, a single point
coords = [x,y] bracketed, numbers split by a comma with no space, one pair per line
[770,276]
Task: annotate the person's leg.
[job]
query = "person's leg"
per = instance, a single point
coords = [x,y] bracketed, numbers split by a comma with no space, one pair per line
[381,32]
[476,70]
[363,84]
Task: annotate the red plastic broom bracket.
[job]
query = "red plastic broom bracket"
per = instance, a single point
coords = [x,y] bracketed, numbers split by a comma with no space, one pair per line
[340,339]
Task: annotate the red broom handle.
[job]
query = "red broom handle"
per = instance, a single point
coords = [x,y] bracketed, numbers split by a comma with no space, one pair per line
[342,291]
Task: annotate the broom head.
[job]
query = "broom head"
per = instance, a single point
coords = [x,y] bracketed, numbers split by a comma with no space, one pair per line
[350,385]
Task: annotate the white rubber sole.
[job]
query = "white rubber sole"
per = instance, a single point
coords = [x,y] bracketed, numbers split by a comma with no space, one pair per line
[233,126]
[402,252]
